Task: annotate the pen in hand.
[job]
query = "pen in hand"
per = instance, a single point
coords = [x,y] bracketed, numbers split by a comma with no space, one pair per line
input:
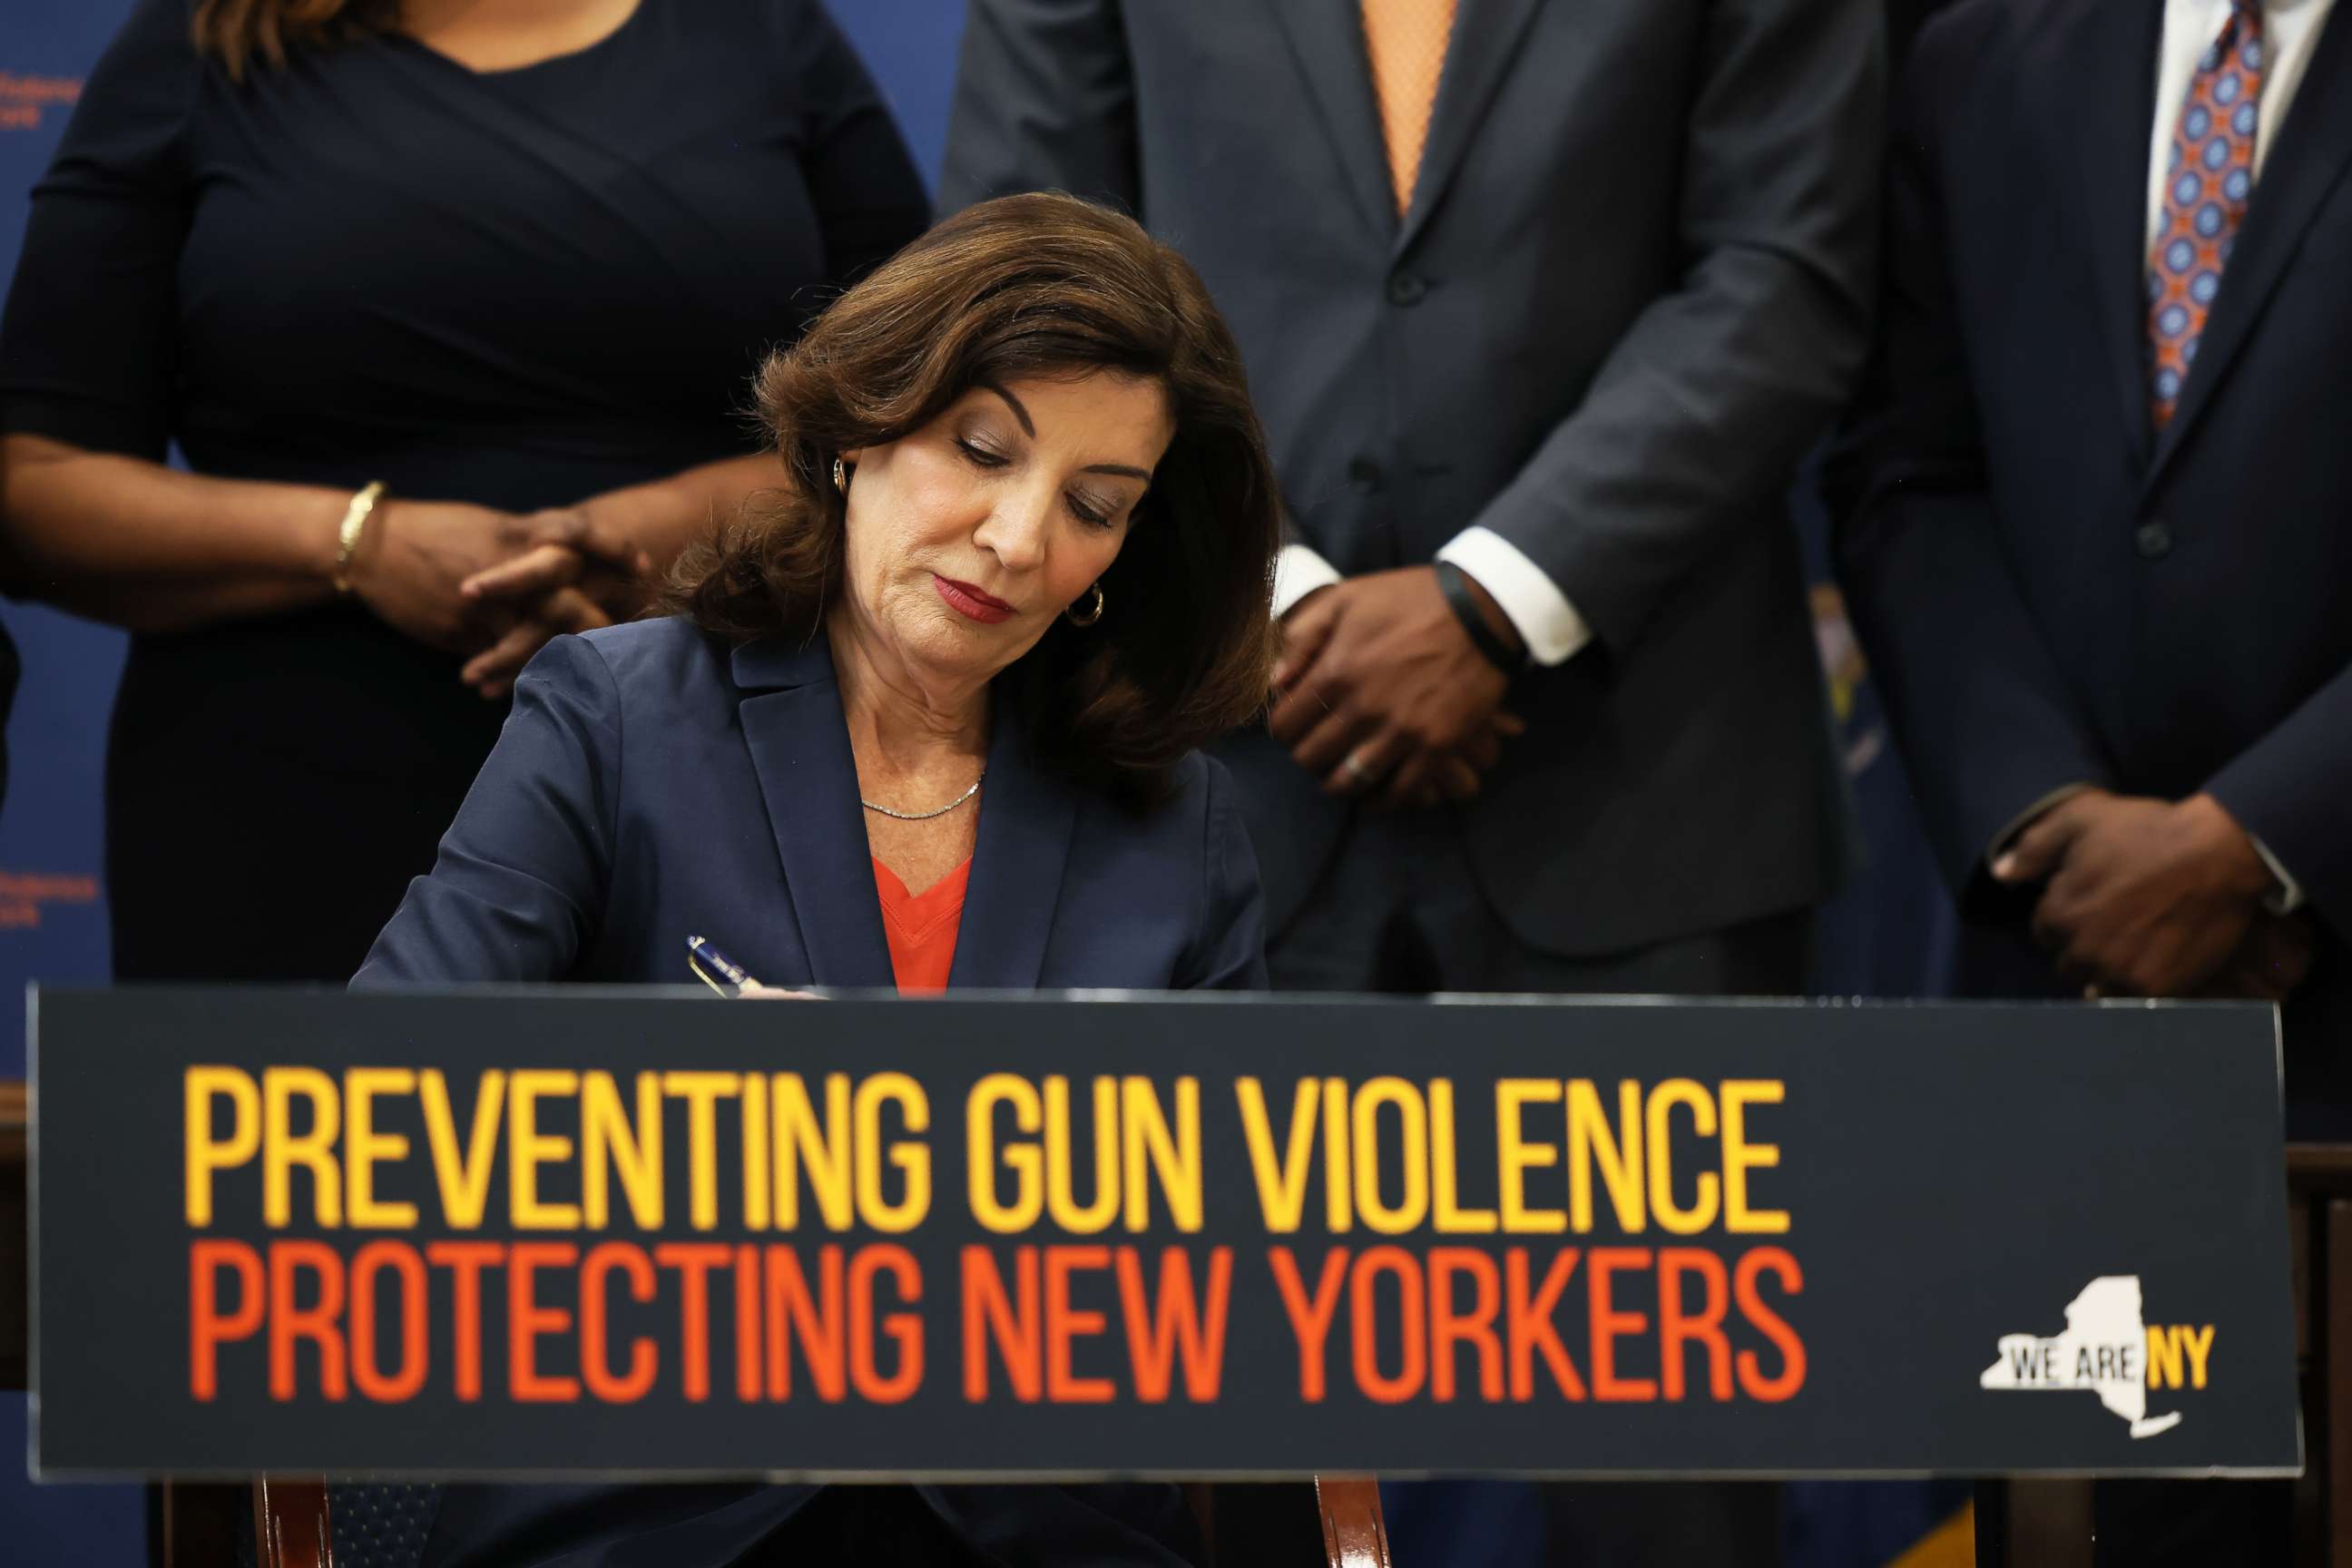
[729,978]
[715,969]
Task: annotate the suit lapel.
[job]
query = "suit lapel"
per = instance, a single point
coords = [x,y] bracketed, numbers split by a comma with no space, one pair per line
[2101,80]
[1485,41]
[1025,822]
[1327,39]
[791,714]
[2306,165]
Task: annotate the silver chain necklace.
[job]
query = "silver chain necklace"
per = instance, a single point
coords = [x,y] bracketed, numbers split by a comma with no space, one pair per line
[927,815]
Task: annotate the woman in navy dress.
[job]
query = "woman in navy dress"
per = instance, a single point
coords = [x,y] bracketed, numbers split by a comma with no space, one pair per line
[450,307]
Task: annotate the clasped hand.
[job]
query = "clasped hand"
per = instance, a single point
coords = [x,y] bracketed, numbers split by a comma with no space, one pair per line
[496,585]
[2154,898]
[1380,693]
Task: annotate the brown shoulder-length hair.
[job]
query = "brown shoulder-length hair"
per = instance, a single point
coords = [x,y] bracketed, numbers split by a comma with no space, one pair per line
[1022,287]
[235,31]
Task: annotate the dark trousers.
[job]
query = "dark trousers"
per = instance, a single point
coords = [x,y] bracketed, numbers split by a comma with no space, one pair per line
[1399,912]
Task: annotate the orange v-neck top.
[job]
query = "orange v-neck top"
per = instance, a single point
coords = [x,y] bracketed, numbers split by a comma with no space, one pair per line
[921,927]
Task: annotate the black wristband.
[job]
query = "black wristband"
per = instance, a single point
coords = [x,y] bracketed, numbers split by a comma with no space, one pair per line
[1455,583]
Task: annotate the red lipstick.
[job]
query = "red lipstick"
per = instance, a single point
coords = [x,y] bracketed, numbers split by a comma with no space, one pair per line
[971,601]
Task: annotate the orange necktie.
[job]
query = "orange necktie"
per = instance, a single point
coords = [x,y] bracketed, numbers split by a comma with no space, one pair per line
[1406,40]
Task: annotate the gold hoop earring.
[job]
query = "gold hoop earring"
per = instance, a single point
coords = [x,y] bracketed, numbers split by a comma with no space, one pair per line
[840,476]
[1092,615]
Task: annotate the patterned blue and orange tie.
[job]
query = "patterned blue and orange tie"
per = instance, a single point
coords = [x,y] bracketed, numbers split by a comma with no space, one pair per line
[2211,179]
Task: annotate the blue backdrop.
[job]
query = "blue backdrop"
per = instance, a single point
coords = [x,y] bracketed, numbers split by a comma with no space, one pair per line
[1889,936]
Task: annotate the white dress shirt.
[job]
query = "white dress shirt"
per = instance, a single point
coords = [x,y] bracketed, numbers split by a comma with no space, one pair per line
[1546,621]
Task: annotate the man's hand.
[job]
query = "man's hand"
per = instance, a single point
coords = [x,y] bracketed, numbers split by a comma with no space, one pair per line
[1380,693]
[2144,898]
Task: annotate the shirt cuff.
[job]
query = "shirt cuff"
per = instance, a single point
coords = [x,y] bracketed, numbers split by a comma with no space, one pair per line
[1298,572]
[2287,896]
[1546,621]
[2024,819]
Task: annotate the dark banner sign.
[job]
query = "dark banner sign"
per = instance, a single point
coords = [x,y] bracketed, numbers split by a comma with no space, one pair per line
[608,1231]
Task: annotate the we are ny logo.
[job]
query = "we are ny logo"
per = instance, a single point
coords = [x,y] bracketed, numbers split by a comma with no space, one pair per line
[2107,1349]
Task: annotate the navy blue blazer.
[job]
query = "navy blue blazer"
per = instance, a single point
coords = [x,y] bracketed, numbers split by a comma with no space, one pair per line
[2049,591]
[652,783]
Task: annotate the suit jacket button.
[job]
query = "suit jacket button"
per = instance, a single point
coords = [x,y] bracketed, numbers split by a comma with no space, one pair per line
[1364,476]
[1406,288]
[2155,540]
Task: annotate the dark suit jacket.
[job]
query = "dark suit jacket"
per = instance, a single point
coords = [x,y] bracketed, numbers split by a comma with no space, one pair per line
[1634,286]
[2049,591]
[651,784]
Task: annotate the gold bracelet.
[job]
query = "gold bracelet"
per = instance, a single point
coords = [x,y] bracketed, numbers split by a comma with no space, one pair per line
[347,538]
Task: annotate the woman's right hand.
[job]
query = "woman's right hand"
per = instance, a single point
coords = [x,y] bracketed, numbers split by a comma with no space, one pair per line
[415,555]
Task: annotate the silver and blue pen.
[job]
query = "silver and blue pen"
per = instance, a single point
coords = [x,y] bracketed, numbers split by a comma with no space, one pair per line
[715,969]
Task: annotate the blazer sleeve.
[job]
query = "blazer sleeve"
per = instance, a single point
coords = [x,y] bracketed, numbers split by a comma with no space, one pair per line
[1984,715]
[1697,417]
[1045,100]
[518,890]
[1228,949]
[2288,790]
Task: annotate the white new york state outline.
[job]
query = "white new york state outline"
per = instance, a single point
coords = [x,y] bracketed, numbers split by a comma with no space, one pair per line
[2105,1312]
